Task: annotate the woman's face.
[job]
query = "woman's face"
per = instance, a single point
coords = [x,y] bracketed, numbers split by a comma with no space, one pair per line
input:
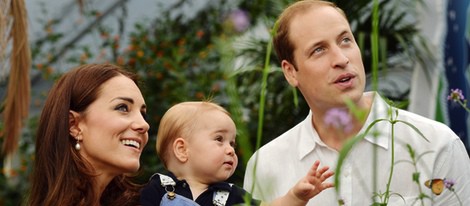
[113,128]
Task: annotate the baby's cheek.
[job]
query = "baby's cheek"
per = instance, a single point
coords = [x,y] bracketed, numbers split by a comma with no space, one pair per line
[235,162]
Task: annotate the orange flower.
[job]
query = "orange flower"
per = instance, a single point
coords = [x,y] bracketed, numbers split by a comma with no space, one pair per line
[49,30]
[131,47]
[202,54]
[131,61]
[199,34]
[37,102]
[140,53]
[83,57]
[215,87]
[159,75]
[104,35]
[181,50]
[49,70]
[181,42]
[39,66]
[199,95]
[120,60]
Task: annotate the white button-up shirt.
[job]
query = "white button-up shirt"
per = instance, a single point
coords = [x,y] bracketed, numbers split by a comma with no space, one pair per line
[277,166]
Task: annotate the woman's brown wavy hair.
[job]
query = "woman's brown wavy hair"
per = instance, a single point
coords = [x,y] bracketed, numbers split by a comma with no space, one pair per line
[60,175]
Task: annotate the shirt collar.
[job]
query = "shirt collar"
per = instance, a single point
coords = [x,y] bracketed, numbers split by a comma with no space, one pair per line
[306,143]
[213,187]
[379,110]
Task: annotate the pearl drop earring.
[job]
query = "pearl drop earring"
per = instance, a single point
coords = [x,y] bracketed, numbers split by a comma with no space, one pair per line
[77,145]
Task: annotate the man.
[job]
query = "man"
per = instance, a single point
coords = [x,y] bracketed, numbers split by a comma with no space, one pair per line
[320,57]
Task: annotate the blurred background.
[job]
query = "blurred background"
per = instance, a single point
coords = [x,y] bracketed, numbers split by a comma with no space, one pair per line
[215,49]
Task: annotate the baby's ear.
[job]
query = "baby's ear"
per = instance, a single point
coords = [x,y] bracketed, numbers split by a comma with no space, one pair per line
[180,149]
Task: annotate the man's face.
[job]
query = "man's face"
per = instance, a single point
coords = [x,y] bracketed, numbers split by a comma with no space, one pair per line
[328,60]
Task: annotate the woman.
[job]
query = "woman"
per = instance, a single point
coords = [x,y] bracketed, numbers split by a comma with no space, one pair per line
[90,135]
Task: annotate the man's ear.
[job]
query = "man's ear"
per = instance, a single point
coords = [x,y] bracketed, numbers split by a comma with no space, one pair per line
[74,118]
[180,149]
[290,72]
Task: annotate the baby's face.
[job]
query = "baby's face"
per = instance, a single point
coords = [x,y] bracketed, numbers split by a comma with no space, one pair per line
[211,147]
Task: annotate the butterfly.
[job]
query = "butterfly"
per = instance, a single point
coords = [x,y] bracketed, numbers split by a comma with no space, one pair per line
[436,185]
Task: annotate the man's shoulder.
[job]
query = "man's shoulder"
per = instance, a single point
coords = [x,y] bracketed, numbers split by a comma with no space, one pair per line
[436,132]
[281,144]
[286,137]
[422,121]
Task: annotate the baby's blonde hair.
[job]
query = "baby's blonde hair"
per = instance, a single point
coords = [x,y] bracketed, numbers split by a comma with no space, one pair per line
[179,121]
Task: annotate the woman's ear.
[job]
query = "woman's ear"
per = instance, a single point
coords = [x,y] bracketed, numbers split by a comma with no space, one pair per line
[73,123]
[180,149]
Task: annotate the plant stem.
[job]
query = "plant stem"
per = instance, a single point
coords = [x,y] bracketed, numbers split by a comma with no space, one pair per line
[375,60]
[262,99]
[460,202]
[463,106]
[387,191]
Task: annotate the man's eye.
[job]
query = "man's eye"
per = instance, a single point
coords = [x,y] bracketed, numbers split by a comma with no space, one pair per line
[317,50]
[122,108]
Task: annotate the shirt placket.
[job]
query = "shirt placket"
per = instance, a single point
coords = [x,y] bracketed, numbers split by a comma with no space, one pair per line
[346,183]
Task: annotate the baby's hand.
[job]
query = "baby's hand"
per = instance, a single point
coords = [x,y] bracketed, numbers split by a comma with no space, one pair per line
[313,183]
[309,186]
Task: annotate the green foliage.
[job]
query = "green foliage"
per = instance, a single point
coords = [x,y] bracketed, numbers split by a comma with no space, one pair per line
[14,181]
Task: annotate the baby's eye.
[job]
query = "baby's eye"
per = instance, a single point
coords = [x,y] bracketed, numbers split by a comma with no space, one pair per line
[219,138]
[233,144]
[122,108]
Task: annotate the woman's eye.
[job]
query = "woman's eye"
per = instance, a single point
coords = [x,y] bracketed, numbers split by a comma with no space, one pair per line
[122,108]
[233,144]
[144,115]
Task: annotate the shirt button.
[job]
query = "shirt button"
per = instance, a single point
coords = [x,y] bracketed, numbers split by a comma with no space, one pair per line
[184,184]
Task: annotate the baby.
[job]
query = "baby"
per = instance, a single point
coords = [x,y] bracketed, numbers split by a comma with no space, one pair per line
[196,143]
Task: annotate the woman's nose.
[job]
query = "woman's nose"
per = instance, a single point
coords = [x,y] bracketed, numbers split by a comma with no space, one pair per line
[140,124]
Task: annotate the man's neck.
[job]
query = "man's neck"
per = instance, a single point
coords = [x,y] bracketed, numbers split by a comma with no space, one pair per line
[336,137]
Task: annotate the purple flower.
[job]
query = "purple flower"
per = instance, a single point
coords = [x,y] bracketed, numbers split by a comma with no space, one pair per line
[456,95]
[239,20]
[339,118]
[449,184]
